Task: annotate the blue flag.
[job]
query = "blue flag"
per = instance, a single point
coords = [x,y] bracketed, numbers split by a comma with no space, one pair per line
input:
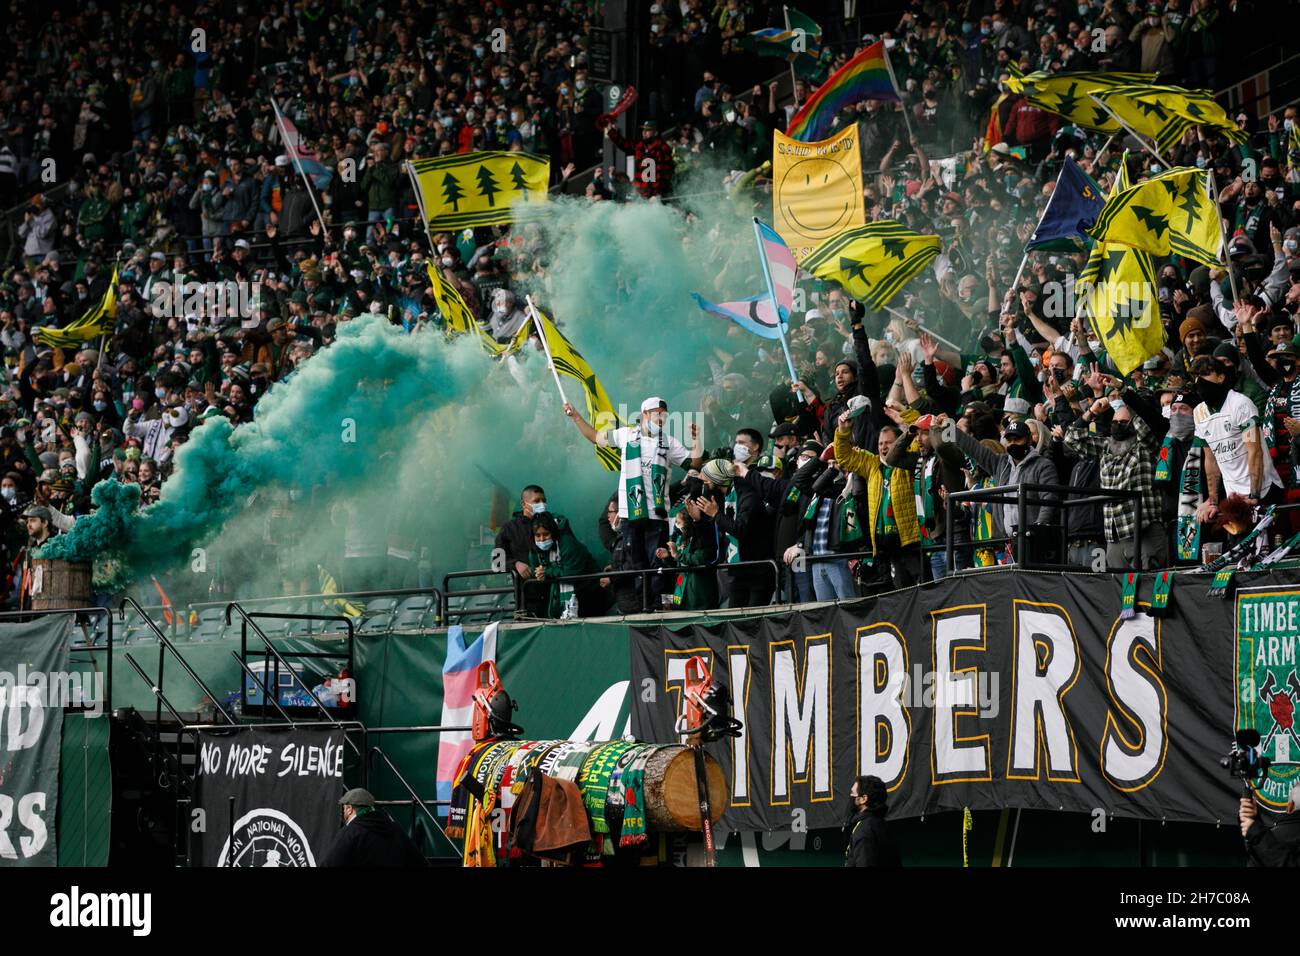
[1074,206]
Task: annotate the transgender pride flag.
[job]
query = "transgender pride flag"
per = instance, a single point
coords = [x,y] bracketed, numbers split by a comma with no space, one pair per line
[755,313]
[304,157]
[459,673]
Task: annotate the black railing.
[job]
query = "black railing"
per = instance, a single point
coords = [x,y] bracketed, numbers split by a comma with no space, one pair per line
[1027,495]
[446,613]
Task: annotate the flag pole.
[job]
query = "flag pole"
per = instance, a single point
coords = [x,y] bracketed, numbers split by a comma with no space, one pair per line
[103,339]
[907,121]
[292,150]
[1214,192]
[776,308]
[541,334]
[794,84]
[934,335]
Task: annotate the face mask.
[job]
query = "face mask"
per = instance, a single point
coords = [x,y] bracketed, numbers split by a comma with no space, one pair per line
[447,261]
[446,122]
[160,392]
[740,452]
[653,428]
[1290,245]
[1018,452]
[545,545]
[1286,366]
[1288,124]
[8,493]
[1181,424]
[1122,431]
[539,507]
[582,85]
[100,406]
[478,101]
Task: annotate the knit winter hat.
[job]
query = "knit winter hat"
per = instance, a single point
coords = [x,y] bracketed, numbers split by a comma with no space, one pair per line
[720,472]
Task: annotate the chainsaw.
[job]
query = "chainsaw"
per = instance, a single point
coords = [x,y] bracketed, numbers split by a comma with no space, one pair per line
[492,707]
[704,719]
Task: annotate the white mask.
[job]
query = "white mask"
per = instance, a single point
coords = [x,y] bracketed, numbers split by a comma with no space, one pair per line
[740,452]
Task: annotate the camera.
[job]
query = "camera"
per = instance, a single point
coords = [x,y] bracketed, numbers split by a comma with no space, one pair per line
[1244,761]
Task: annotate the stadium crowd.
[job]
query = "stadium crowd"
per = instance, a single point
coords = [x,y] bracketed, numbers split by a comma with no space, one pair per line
[196,187]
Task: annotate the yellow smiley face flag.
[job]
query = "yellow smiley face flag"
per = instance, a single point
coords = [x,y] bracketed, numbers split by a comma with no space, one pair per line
[817,189]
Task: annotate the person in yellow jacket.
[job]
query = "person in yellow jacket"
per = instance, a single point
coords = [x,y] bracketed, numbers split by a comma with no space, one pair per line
[891,504]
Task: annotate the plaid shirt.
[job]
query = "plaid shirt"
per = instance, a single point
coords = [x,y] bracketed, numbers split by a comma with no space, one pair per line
[1133,470]
[822,526]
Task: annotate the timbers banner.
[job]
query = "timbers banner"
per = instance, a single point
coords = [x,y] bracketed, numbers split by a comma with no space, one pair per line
[461,190]
[286,786]
[995,690]
[33,691]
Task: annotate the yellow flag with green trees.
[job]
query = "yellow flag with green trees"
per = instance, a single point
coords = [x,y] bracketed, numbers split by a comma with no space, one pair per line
[96,322]
[1067,94]
[1168,214]
[1117,291]
[600,410]
[462,190]
[873,262]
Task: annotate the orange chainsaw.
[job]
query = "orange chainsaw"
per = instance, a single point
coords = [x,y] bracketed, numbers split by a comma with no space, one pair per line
[492,707]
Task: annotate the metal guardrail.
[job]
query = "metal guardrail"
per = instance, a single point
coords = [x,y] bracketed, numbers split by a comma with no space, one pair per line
[1022,496]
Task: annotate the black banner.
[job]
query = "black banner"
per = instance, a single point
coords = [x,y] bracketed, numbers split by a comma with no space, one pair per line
[286,786]
[1003,689]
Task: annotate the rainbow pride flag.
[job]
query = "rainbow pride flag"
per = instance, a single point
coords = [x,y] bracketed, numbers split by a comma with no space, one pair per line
[865,77]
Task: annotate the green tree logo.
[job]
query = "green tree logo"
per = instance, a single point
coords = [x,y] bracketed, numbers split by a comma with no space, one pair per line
[487,186]
[451,192]
[517,174]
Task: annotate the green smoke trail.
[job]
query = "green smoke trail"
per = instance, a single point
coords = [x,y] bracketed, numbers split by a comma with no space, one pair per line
[381,432]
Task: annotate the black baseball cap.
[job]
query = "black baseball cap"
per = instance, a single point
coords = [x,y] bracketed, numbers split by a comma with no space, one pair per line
[1016,430]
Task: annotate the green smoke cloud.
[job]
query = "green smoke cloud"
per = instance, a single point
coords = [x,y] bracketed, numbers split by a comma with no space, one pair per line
[377,438]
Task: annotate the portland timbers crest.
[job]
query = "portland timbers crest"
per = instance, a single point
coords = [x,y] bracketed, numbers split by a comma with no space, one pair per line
[1268,683]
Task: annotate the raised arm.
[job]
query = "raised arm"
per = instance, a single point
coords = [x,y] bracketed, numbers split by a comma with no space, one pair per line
[585,429]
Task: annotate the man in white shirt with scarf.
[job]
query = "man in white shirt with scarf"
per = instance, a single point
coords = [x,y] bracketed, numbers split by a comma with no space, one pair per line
[647,454]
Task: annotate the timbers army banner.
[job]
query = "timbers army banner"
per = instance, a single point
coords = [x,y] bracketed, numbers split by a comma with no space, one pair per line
[286,786]
[997,690]
[33,691]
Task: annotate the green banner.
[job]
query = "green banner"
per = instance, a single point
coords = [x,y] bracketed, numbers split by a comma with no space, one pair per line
[33,691]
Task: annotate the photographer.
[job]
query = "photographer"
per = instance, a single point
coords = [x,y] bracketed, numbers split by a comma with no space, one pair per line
[1277,844]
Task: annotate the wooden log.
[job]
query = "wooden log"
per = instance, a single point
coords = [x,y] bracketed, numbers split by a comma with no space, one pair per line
[671,796]
[59,584]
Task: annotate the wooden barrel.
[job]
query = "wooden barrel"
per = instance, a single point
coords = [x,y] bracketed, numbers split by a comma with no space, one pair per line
[671,797]
[59,584]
